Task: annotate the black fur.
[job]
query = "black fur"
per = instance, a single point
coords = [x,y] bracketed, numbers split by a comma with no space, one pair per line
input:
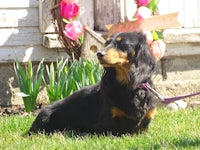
[110,106]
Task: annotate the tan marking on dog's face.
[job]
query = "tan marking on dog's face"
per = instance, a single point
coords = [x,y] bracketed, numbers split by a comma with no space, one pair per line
[117,59]
[113,57]
[151,113]
[119,39]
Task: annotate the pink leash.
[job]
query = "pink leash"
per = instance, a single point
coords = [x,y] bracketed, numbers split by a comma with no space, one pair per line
[167,100]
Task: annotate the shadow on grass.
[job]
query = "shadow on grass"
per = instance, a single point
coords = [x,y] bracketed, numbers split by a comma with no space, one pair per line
[179,143]
[187,142]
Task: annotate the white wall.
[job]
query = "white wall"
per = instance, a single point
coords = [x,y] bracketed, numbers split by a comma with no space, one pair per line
[20,35]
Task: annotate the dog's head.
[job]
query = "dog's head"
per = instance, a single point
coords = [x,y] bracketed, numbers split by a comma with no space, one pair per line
[129,54]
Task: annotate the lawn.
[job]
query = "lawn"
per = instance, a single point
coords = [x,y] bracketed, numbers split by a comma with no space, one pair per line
[168,130]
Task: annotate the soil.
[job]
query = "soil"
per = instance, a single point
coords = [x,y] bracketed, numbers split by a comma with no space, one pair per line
[16,110]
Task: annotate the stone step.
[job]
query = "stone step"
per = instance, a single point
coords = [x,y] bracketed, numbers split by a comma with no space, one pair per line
[179,88]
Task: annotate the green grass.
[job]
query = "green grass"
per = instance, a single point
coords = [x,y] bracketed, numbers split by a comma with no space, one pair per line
[168,130]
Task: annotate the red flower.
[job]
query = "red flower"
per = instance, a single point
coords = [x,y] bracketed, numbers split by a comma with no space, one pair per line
[69,11]
[143,2]
[73,30]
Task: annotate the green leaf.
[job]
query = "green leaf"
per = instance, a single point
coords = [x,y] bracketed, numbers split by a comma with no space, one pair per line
[153,5]
[157,35]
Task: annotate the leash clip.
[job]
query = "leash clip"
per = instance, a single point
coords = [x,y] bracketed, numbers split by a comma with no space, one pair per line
[148,87]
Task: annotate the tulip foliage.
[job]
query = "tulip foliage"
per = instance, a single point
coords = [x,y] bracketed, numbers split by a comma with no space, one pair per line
[67,76]
[29,82]
[145,9]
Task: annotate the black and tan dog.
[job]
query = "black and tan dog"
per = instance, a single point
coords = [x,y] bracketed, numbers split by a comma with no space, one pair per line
[117,104]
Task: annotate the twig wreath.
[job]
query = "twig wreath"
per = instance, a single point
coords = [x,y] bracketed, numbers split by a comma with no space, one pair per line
[69,30]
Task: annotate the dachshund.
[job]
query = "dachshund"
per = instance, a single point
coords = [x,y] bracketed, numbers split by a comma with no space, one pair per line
[117,104]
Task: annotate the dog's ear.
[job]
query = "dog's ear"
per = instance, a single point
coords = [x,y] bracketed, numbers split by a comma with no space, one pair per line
[143,64]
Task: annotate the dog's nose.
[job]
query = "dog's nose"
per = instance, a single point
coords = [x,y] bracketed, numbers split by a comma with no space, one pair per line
[100,54]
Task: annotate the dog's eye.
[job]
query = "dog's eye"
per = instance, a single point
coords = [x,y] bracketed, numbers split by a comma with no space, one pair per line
[122,46]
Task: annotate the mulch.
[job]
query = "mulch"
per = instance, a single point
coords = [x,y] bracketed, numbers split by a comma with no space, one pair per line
[17,110]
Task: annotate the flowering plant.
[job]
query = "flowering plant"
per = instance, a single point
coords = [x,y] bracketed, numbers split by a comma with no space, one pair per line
[69,10]
[145,9]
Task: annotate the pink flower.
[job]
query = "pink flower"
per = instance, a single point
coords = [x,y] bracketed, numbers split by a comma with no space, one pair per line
[70,1]
[149,37]
[73,30]
[69,11]
[158,49]
[143,13]
[143,2]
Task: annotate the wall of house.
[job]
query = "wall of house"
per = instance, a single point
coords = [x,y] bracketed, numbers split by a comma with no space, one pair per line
[20,35]
[24,25]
